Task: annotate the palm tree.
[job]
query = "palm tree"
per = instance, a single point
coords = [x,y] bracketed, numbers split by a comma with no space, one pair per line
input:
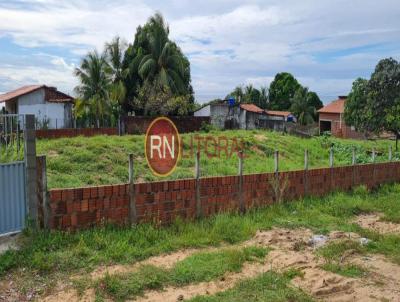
[94,87]
[114,54]
[301,107]
[163,62]
[264,97]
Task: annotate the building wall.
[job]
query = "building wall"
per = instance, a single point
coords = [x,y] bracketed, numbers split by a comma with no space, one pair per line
[339,127]
[55,113]
[205,111]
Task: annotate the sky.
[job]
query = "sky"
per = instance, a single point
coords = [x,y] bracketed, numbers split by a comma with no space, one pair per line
[325,44]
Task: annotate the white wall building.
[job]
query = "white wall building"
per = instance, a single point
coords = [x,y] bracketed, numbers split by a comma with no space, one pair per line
[52,108]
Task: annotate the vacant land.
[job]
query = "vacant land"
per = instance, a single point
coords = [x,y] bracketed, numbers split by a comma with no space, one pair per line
[264,255]
[83,161]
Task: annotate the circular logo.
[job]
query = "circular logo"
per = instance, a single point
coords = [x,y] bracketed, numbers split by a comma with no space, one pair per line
[162,146]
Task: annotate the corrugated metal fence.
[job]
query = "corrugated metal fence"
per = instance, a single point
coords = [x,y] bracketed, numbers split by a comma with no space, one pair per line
[12,197]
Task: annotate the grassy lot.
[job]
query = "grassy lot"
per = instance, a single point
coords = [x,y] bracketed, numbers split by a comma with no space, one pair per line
[48,256]
[83,161]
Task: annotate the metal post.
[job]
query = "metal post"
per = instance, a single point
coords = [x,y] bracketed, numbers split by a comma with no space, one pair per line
[30,166]
[132,201]
[331,157]
[199,211]
[276,161]
[241,199]
[390,153]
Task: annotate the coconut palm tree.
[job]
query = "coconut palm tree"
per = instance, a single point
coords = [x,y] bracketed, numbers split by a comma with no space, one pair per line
[94,87]
[162,62]
[114,54]
[301,107]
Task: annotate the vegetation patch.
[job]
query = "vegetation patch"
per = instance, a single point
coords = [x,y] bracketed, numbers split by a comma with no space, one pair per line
[203,266]
[83,161]
[269,286]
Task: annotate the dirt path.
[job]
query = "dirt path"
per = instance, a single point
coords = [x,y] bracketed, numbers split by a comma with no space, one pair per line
[373,222]
[291,250]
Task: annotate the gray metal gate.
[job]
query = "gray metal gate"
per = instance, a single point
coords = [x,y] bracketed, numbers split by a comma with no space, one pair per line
[13,205]
[12,197]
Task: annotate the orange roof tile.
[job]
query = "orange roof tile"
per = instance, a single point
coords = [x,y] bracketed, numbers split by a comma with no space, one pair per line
[19,92]
[251,108]
[336,106]
[278,113]
[55,96]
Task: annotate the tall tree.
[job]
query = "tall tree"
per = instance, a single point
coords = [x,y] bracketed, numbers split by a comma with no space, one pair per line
[93,90]
[301,107]
[114,53]
[282,90]
[375,105]
[155,59]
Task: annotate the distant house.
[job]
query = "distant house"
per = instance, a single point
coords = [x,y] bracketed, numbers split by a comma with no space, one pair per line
[331,119]
[287,116]
[243,116]
[50,106]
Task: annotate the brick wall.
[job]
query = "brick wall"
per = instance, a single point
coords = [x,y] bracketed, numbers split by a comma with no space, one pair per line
[70,132]
[340,129]
[139,124]
[162,202]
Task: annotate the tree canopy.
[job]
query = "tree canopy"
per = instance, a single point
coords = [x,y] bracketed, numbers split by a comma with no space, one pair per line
[150,76]
[374,104]
[282,90]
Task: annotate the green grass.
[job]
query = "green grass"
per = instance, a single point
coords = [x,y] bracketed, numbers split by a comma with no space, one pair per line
[202,266]
[347,270]
[269,286]
[58,253]
[83,161]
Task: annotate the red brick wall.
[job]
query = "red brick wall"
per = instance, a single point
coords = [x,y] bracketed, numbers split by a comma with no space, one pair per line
[162,202]
[340,129]
[139,124]
[70,132]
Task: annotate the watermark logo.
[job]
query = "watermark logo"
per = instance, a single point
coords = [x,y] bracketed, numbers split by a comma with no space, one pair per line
[162,146]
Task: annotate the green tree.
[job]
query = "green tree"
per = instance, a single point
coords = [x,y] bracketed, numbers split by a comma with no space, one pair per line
[93,90]
[375,105]
[154,58]
[356,110]
[301,107]
[282,90]
[114,54]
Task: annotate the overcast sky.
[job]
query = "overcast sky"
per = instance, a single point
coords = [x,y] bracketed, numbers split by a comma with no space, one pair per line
[324,44]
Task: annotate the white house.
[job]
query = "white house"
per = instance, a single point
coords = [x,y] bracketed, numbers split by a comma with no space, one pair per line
[52,108]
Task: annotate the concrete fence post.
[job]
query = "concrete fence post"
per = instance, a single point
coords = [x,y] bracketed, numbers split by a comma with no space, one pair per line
[132,201]
[331,163]
[305,172]
[353,163]
[373,155]
[242,208]
[199,210]
[30,166]
[44,193]
[390,153]
[276,162]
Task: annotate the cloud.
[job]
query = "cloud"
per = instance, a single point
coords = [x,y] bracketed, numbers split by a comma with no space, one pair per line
[326,45]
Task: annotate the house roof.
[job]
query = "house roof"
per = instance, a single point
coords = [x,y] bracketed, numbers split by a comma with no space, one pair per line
[336,106]
[251,108]
[19,92]
[55,96]
[278,113]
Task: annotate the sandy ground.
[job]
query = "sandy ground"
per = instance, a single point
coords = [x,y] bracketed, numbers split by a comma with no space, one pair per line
[290,249]
[373,222]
